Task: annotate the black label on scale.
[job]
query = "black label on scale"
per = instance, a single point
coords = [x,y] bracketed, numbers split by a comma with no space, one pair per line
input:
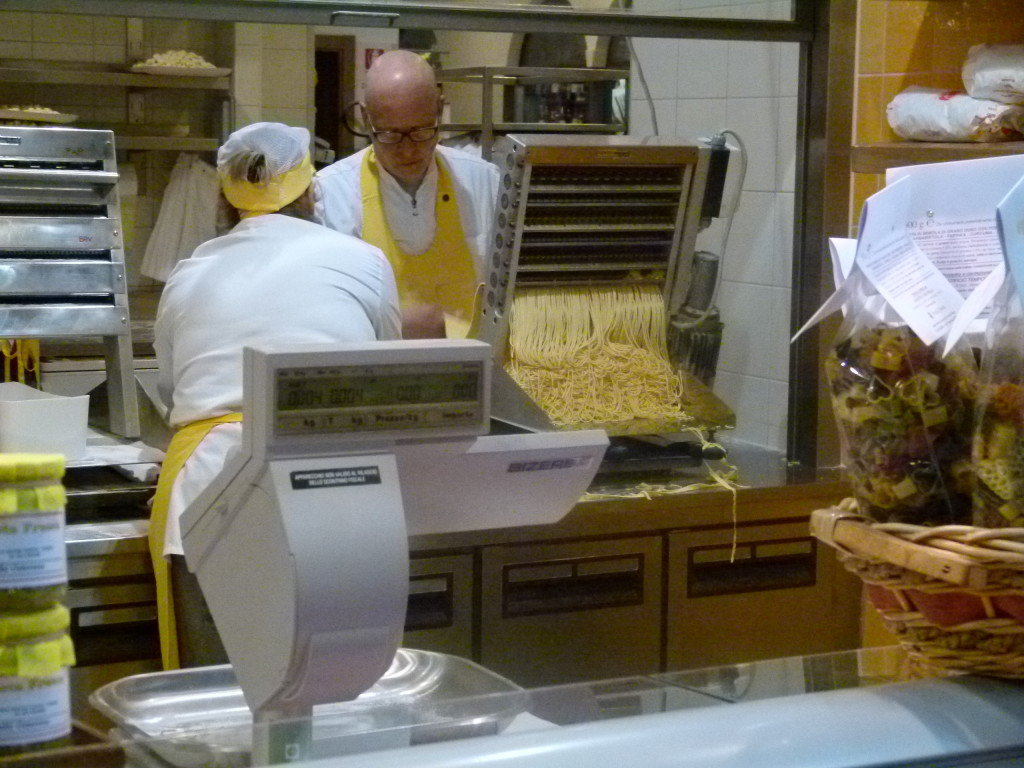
[327,478]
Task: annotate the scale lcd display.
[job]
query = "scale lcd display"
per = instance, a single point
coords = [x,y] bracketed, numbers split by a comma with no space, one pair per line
[378,397]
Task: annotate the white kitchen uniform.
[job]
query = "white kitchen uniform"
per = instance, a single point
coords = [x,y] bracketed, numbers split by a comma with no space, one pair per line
[275,280]
[410,218]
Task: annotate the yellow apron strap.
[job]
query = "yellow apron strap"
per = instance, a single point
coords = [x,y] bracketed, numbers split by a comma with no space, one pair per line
[182,445]
[374,226]
[25,356]
[445,274]
[457,327]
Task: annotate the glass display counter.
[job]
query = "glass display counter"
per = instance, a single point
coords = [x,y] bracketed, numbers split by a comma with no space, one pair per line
[859,708]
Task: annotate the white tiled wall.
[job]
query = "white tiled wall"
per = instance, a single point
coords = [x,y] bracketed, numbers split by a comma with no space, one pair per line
[700,87]
[274,74]
[58,37]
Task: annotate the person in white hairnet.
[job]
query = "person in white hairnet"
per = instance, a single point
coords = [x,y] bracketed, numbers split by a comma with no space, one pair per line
[277,279]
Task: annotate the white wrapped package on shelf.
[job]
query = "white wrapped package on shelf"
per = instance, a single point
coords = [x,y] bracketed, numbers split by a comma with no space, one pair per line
[934,114]
[995,72]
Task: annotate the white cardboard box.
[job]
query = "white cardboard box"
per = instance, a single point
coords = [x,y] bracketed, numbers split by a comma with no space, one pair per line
[32,421]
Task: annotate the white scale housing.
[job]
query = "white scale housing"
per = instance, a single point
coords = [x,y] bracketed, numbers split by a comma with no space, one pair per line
[301,544]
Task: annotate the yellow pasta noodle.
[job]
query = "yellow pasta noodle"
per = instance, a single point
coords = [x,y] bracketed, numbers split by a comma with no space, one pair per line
[594,354]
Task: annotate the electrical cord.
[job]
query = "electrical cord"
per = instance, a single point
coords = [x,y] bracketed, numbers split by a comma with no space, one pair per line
[643,86]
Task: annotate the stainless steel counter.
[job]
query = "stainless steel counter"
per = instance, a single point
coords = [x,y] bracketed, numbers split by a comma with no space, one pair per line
[616,507]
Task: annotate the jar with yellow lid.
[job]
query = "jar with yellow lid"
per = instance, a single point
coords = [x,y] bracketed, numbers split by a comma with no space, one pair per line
[35,701]
[33,557]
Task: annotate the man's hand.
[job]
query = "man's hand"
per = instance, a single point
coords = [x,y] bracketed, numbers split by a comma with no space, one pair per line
[422,321]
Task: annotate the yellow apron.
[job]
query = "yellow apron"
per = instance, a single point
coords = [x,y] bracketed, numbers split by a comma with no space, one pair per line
[182,445]
[444,275]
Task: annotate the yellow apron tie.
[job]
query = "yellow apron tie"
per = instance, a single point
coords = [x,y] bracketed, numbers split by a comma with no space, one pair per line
[182,445]
[21,356]
[445,274]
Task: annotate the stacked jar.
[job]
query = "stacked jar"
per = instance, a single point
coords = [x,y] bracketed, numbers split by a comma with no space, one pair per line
[35,648]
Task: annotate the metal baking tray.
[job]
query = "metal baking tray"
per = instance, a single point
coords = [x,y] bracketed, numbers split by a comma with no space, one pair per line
[198,718]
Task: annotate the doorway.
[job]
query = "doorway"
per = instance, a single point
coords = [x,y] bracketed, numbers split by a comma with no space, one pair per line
[334,60]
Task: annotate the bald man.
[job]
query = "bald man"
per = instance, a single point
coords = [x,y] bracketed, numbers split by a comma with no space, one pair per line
[429,208]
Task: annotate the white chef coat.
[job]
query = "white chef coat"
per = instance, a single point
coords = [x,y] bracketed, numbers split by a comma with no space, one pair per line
[275,280]
[339,203]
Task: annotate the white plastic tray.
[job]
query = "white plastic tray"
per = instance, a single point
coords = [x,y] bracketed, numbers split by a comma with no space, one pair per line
[144,69]
[198,718]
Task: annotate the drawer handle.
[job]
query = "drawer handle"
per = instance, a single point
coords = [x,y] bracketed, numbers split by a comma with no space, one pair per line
[769,565]
[431,603]
[567,586]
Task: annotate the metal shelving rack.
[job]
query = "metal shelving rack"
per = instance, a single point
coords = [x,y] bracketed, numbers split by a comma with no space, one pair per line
[519,78]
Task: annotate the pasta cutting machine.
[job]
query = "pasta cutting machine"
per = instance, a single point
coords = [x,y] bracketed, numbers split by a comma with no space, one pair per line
[586,210]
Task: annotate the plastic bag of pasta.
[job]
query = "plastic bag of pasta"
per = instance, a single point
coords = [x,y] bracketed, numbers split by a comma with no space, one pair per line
[999,436]
[905,418]
[902,372]
[998,449]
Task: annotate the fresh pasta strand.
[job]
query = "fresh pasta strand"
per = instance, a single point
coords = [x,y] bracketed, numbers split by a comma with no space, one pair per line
[594,354]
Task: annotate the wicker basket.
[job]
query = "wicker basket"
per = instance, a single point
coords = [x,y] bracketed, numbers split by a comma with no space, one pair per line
[953,595]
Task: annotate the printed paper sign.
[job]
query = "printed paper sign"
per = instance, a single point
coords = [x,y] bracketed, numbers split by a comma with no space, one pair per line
[899,270]
[930,245]
[952,215]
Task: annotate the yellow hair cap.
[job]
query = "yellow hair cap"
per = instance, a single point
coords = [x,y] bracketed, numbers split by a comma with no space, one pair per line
[255,199]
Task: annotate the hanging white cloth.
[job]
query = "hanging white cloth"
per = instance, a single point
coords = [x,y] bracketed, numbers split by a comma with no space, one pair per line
[187,217]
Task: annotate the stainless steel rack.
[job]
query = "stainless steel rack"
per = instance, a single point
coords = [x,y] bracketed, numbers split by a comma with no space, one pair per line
[518,78]
[62,252]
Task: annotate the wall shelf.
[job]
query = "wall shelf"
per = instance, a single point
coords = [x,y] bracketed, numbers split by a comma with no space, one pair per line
[166,143]
[144,137]
[518,78]
[58,76]
[529,75]
[539,127]
[876,158]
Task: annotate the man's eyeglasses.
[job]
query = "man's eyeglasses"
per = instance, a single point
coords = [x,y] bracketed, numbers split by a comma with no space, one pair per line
[415,135]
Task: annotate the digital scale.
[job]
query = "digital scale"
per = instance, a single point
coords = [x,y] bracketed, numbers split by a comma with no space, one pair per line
[301,544]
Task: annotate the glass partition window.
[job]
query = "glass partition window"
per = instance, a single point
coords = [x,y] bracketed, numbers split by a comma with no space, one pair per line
[693,72]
